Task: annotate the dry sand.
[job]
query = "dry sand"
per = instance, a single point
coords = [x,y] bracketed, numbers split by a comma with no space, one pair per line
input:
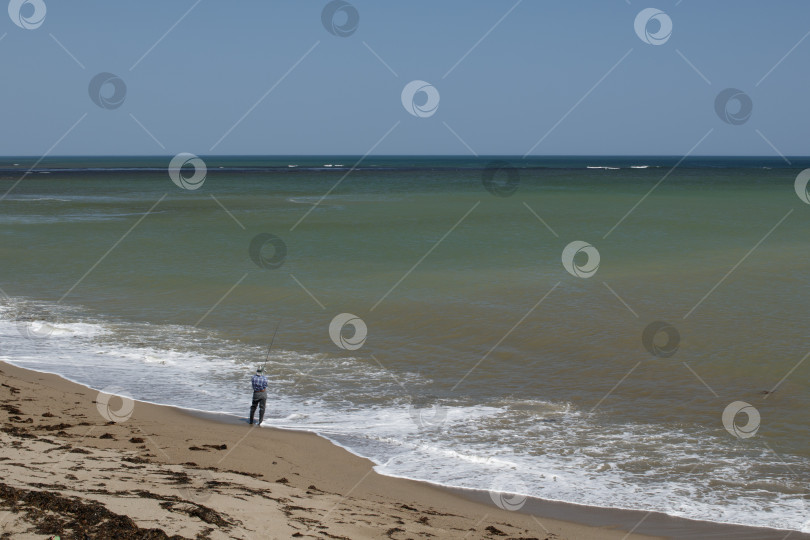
[162,472]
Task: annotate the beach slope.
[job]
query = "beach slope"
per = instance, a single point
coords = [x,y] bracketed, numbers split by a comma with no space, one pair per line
[72,468]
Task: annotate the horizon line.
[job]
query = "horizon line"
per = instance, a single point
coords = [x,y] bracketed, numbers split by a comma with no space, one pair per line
[458,156]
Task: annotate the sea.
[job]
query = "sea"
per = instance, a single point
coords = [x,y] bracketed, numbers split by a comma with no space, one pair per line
[622,332]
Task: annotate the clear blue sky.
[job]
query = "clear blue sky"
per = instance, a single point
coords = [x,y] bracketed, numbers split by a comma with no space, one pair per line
[507,93]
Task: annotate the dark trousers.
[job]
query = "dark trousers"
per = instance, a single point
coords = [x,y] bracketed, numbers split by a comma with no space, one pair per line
[259,400]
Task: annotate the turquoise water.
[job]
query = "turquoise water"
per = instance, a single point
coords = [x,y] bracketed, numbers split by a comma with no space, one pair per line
[486,363]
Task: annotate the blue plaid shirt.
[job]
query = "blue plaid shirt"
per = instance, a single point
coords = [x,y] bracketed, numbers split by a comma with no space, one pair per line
[259,383]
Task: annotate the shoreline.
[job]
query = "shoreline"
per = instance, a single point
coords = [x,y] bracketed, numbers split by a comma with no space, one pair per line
[643,522]
[226,456]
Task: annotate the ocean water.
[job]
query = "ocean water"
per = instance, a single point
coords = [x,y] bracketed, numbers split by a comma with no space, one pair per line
[486,363]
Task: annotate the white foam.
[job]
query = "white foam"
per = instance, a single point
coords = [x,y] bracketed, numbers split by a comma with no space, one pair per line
[27,198]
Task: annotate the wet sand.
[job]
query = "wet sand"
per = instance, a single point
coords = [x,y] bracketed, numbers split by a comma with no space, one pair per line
[72,468]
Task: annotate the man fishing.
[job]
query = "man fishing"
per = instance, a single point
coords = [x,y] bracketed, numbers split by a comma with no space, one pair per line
[259,382]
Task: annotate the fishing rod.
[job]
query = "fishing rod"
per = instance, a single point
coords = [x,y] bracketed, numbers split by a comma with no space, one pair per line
[271,345]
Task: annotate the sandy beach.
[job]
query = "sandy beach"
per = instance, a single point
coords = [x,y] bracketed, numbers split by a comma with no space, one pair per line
[163,473]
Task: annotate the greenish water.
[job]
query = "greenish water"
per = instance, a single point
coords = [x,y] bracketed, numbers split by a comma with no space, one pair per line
[464,379]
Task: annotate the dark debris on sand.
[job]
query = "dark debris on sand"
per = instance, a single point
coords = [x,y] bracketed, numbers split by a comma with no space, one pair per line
[17,432]
[51,513]
[216,446]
